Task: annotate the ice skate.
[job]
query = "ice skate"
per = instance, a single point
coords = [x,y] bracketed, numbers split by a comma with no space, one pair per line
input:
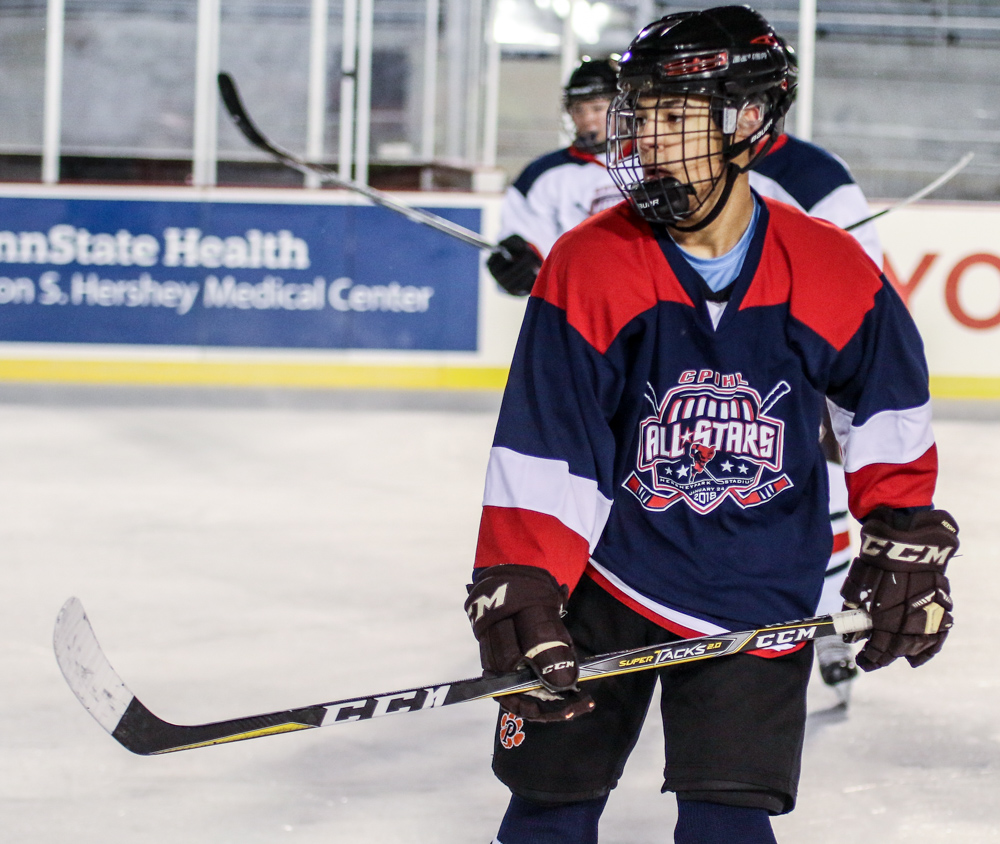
[837,667]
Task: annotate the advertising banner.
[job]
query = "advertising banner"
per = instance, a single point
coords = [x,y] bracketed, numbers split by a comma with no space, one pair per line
[234,274]
[944,259]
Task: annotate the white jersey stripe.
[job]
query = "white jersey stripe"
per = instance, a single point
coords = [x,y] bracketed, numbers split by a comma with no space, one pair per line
[546,486]
[893,436]
[699,625]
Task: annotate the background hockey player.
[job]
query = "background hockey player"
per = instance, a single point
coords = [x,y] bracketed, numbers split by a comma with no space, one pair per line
[814,180]
[656,471]
[562,188]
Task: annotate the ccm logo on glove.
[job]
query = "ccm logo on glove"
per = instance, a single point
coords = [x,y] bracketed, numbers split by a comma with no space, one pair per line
[905,552]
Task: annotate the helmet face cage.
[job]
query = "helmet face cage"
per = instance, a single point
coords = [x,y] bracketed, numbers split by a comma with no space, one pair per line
[588,142]
[698,91]
[669,155]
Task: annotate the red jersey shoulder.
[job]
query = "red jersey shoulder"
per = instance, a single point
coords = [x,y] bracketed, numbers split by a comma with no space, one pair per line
[606,271]
[824,274]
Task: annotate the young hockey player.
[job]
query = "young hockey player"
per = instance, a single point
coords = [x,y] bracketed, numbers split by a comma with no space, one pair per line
[656,472]
[562,188]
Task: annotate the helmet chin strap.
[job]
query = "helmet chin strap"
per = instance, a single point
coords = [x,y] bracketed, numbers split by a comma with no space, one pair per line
[732,172]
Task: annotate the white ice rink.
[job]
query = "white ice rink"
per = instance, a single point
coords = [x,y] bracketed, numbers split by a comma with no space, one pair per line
[265,553]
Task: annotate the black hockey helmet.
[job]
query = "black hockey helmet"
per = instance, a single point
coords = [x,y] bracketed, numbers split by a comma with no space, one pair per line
[592,79]
[728,54]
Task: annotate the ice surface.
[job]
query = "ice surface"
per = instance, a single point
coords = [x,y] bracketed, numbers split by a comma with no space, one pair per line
[242,559]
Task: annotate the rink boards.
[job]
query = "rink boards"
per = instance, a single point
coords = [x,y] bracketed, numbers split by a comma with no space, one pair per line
[236,287]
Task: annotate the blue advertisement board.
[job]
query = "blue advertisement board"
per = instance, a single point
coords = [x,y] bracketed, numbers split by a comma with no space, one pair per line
[228,274]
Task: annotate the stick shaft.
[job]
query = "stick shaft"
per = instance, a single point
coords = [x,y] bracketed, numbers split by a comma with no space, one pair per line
[237,111]
[103,693]
[945,177]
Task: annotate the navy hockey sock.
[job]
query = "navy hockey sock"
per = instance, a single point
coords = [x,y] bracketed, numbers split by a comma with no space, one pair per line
[550,823]
[713,823]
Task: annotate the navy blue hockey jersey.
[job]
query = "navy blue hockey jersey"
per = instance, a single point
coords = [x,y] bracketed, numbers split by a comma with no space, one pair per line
[676,462]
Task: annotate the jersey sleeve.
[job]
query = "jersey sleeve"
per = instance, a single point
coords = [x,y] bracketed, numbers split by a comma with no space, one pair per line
[881,411]
[548,492]
[869,362]
[532,215]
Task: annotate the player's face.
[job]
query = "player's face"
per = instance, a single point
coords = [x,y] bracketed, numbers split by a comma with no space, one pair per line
[677,137]
[590,118]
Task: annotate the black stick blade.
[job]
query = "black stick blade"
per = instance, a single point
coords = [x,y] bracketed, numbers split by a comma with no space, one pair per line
[106,697]
[237,111]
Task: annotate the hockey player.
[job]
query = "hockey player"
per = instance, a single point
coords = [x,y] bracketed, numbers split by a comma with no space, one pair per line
[656,473]
[814,180]
[562,188]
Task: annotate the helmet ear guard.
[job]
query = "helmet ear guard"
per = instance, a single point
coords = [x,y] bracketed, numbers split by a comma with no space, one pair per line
[757,134]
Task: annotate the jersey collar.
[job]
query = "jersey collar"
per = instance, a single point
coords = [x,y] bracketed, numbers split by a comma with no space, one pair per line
[694,285]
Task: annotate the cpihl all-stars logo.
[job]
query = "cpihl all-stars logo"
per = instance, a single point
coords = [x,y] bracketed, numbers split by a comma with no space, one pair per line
[709,438]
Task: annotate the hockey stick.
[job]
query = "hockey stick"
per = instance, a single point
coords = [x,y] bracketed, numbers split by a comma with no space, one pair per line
[105,696]
[237,111]
[946,176]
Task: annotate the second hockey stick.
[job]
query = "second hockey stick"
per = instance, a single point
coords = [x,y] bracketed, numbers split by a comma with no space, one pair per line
[105,696]
[237,111]
[945,177]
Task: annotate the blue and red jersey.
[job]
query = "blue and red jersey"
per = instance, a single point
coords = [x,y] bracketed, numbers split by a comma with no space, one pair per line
[676,461]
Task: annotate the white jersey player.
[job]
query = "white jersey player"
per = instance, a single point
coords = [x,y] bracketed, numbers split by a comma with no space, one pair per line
[814,180]
[560,189]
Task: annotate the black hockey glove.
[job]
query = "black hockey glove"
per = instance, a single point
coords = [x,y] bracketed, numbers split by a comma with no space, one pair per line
[898,577]
[517,273]
[516,614]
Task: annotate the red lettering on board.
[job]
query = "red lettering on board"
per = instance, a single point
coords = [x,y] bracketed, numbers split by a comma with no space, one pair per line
[951,291]
[905,287]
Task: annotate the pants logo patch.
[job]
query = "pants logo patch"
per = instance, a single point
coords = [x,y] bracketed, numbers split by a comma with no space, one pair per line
[511,730]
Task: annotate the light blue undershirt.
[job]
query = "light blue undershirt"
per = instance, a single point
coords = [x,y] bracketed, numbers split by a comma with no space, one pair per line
[720,272]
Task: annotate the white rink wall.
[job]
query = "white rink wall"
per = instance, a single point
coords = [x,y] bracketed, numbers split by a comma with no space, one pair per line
[944,258]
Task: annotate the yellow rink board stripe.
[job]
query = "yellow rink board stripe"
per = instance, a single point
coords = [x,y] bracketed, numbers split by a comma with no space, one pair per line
[253,374]
[332,375]
[964,387]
